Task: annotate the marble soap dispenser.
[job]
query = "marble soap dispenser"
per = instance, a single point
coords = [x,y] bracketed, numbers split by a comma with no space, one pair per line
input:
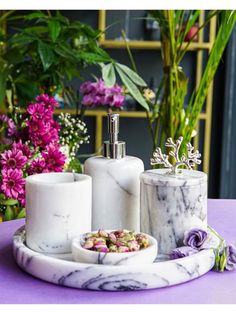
[115,184]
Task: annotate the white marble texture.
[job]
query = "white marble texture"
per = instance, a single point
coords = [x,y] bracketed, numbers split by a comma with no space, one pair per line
[58,208]
[63,272]
[172,204]
[144,256]
[116,192]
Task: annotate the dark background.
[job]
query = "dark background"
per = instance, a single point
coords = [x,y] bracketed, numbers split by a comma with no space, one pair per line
[222,175]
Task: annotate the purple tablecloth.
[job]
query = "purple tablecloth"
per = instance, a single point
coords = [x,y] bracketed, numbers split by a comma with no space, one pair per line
[19,287]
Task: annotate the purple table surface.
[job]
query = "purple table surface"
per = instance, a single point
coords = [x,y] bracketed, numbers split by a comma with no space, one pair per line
[17,287]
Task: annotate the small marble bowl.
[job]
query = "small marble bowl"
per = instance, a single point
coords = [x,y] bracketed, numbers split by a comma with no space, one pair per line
[144,256]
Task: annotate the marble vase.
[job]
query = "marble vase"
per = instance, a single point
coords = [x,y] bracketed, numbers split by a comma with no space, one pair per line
[58,208]
[172,204]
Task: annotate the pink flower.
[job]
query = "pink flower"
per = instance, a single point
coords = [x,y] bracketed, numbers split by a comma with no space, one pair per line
[54,158]
[100,87]
[39,112]
[23,147]
[98,93]
[13,159]
[37,166]
[116,89]
[47,100]
[38,127]
[12,183]
[87,87]
[117,101]
[88,100]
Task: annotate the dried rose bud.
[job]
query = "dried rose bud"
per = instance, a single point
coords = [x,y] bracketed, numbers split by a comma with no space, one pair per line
[113,248]
[112,237]
[119,243]
[133,245]
[128,237]
[142,240]
[99,240]
[88,244]
[101,248]
[123,249]
[102,233]
[119,233]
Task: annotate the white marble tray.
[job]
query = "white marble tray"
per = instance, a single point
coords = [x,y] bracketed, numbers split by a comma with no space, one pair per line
[63,271]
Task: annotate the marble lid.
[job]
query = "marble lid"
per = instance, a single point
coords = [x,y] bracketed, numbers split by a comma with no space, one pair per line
[163,178]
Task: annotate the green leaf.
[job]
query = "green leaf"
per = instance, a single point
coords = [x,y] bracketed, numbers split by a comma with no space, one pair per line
[91,57]
[9,202]
[9,214]
[21,214]
[132,75]
[132,88]
[35,15]
[27,90]
[54,29]
[46,55]
[108,74]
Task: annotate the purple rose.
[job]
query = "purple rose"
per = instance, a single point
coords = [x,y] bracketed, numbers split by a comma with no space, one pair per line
[195,238]
[230,257]
[182,251]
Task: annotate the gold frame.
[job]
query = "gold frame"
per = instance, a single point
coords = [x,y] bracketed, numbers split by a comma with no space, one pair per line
[198,46]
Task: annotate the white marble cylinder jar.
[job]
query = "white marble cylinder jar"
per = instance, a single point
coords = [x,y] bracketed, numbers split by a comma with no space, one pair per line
[172,204]
[58,208]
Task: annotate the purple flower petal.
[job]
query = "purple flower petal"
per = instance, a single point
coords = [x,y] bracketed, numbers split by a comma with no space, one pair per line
[182,251]
[195,238]
[231,257]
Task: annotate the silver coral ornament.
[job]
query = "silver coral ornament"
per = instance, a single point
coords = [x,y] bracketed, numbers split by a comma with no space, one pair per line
[188,161]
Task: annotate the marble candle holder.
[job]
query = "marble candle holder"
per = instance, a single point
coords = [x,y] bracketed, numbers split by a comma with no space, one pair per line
[58,208]
[172,204]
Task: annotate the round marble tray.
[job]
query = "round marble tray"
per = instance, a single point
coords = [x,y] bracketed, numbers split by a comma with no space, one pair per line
[60,269]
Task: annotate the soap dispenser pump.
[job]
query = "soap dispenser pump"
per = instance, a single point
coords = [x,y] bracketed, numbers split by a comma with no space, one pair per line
[115,184]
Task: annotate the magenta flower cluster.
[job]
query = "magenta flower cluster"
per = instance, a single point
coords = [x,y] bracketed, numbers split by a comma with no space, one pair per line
[37,151]
[97,93]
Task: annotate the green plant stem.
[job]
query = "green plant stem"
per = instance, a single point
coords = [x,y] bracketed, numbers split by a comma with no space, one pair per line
[129,52]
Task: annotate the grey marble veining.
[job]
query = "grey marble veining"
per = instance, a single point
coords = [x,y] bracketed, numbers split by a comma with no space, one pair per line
[65,272]
[115,192]
[171,205]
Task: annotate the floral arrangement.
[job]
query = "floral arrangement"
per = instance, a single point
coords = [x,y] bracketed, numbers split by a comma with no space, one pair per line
[99,94]
[197,239]
[119,241]
[34,143]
